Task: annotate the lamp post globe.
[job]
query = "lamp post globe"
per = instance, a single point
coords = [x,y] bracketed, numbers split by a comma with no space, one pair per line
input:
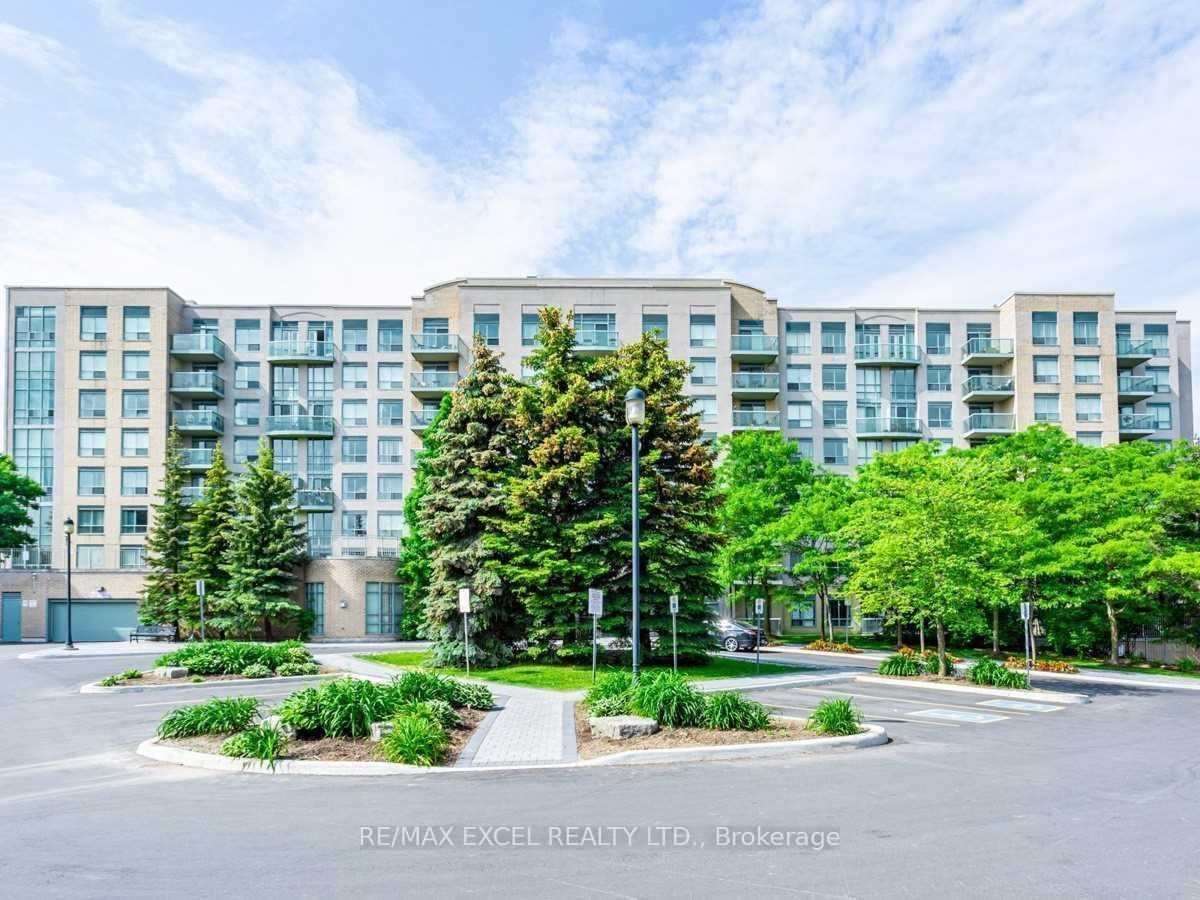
[635,415]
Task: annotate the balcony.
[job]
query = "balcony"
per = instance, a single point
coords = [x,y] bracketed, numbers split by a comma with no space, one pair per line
[433,384]
[200,385]
[590,342]
[987,351]
[434,345]
[887,354]
[197,459]
[1133,353]
[983,424]
[1132,388]
[191,495]
[25,558]
[309,500]
[198,347]
[755,384]
[887,427]
[313,353]
[753,347]
[988,387]
[1135,425]
[747,419]
[300,426]
[204,422]
[323,545]
[420,419]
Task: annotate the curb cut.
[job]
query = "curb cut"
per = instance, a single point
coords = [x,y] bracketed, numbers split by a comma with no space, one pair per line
[1034,694]
[96,688]
[874,735]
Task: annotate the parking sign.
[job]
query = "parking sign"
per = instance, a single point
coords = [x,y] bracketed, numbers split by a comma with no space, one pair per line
[464,600]
[674,604]
[595,602]
[759,605]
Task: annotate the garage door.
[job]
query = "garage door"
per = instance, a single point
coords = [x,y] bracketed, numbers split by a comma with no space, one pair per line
[93,620]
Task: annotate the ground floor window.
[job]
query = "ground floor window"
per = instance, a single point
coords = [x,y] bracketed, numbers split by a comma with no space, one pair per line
[384,605]
[314,598]
[840,615]
[803,614]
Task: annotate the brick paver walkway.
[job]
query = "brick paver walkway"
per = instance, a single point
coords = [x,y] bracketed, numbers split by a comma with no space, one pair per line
[528,730]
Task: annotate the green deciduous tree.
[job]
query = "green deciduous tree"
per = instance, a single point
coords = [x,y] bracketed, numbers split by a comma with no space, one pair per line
[18,495]
[209,543]
[164,596]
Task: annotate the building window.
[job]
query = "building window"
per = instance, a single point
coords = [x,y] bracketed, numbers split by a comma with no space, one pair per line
[285,384]
[800,415]
[939,415]
[1045,329]
[1087,370]
[487,326]
[391,451]
[656,324]
[247,335]
[354,413]
[93,323]
[1157,335]
[1087,408]
[354,336]
[89,556]
[135,442]
[354,487]
[390,525]
[702,330]
[391,335]
[384,607]
[706,406]
[833,413]
[135,365]
[868,384]
[1045,408]
[134,519]
[802,615]
[804,448]
[391,412]
[245,412]
[135,482]
[1162,378]
[33,454]
[868,450]
[391,376]
[833,337]
[91,442]
[1086,329]
[354,375]
[91,482]
[246,377]
[1088,438]
[1045,370]
[1161,413]
[135,404]
[137,323]
[93,365]
[245,450]
[937,338]
[596,329]
[33,388]
[286,454]
[90,520]
[530,322]
[835,452]
[797,337]
[937,378]
[35,326]
[799,378]
[704,370]
[390,487]
[91,405]
[833,378]
[354,523]
[354,449]
[314,601]
[133,556]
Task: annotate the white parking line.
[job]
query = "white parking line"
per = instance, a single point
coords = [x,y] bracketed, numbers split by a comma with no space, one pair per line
[1020,705]
[890,718]
[886,699]
[958,715]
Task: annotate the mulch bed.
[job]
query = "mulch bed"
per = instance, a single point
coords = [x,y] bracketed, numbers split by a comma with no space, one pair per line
[591,747]
[150,678]
[343,749]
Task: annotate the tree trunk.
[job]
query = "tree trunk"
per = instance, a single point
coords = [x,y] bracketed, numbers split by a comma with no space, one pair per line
[996,631]
[941,642]
[267,628]
[899,634]
[824,599]
[1112,632]
[921,630]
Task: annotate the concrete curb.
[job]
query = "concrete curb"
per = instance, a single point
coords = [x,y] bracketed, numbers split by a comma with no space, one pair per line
[873,735]
[751,683]
[1033,694]
[96,688]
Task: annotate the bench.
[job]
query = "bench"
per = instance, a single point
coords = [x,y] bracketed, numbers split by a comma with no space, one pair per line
[153,632]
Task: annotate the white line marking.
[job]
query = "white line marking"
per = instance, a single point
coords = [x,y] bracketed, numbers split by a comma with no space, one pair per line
[1024,705]
[958,715]
[889,718]
[886,699]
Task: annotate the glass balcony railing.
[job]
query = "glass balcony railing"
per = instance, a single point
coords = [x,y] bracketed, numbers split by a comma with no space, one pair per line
[1136,384]
[297,350]
[988,384]
[983,421]
[310,499]
[1138,422]
[754,343]
[887,425]
[198,345]
[887,351]
[198,383]
[433,381]
[197,457]
[422,418]
[986,346]
[756,381]
[589,339]
[191,495]
[434,341]
[282,426]
[198,420]
[755,418]
[25,558]
[1129,347]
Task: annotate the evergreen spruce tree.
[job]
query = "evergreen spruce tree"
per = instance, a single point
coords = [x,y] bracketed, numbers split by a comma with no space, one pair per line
[462,516]
[164,597]
[266,549]
[208,547]
[413,567]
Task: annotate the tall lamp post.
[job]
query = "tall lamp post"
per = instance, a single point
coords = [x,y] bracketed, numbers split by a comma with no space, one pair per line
[68,530]
[635,415]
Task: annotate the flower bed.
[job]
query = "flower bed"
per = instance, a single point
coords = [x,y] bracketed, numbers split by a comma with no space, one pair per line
[225,661]
[830,647]
[1043,665]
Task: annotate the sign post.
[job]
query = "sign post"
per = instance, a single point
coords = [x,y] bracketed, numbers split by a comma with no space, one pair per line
[674,633]
[759,604]
[200,594]
[464,607]
[1026,615]
[595,610]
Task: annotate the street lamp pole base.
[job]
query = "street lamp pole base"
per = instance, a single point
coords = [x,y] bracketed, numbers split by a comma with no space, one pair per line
[70,647]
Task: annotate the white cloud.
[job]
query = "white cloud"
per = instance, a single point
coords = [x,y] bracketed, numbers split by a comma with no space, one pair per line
[40,53]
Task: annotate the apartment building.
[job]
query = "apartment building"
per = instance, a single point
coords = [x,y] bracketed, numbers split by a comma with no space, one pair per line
[95,377]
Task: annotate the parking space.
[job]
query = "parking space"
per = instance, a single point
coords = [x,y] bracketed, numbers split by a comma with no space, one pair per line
[909,710]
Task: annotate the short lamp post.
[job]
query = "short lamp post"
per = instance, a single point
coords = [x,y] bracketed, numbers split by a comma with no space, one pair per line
[68,530]
[635,415]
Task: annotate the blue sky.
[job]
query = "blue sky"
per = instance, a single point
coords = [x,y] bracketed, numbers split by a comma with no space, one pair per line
[945,152]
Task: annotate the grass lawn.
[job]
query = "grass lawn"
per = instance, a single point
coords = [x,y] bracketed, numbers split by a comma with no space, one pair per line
[576,676]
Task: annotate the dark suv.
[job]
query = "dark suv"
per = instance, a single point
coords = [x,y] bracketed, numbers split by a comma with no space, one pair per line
[731,635]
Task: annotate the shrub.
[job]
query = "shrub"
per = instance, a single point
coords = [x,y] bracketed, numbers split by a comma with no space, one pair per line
[990,672]
[348,706]
[130,674]
[1042,665]
[196,679]
[474,696]
[620,705]
[111,680]
[831,647]
[669,698]
[302,711]
[294,668]
[835,717]
[438,711]
[261,742]
[730,711]
[902,664]
[419,684]
[614,684]
[1185,664]
[416,740]
[220,715]
[256,670]
[232,657]
[296,655]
